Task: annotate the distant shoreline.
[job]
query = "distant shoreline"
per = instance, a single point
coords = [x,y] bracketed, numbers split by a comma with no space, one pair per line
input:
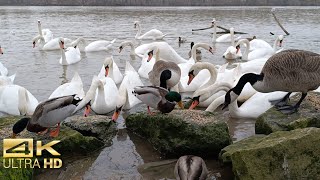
[160,3]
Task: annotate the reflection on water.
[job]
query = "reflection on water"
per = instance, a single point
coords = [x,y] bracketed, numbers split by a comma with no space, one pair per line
[241,128]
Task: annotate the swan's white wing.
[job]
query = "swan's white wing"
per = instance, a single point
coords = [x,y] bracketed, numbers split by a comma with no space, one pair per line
[100,45]
[116,73]
[153,34]
[224,38]
[259,43]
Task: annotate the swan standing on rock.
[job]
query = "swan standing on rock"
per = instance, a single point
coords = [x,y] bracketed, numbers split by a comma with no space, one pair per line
[126,100]
[153,34]
[190,168]
[101,96]
[289,71]
[71,56]
[46,115]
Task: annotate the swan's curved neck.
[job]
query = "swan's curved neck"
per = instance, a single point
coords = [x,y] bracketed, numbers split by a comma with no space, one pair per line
[123,98]
[214,36]
[23,101]
[139,30]
[63,57]
[246,52]
[77,41]
[39,29]
[129,43]
[218,101]
[232,37]
[275,44]
[194,49]
[100,101]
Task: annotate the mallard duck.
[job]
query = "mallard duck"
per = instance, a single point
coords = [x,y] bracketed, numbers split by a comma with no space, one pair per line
[190,167]
[47,114]
[158,98]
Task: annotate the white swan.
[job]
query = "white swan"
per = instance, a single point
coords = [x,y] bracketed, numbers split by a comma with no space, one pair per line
[16,100]
[46,33]
[111,69]
[100,45]
[126,100]
[146,66]
[258,52]
[3,70]
[70,56]
[7,80]
[101,96]
[259,43]
[75,86]
[51,45]
[253,107]
[230,37]
[153,34]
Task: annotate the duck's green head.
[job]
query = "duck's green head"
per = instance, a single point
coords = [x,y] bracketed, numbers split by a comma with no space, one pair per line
[173,96]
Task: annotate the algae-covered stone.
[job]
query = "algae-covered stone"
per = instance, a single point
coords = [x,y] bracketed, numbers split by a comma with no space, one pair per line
[182,132]
[281,155]
[14,173]
[308,115]
[98,126]
[71,141]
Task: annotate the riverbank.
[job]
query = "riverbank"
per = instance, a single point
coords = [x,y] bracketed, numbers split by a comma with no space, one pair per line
[159,3]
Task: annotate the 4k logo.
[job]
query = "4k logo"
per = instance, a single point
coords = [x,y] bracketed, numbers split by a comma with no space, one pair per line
[24,148]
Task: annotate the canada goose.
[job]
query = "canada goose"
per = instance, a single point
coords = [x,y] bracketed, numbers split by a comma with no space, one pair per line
[48,114]
[190,167]
[290,71]
[164,74]
[158,98]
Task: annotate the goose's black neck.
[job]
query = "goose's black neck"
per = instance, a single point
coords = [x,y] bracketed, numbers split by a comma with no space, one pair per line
[247,78]
[165,75]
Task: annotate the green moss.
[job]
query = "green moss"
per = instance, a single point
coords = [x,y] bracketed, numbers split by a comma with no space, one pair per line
[174,136]
[14,173]
[280,155]
[307,116]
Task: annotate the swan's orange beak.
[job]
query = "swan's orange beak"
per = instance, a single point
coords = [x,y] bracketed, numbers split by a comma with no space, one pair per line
[1,52]
[87,111]
[194,104]
[191,76]
[107,71]
[115,116]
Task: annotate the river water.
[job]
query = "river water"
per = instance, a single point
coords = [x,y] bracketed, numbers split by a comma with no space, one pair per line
[41,73]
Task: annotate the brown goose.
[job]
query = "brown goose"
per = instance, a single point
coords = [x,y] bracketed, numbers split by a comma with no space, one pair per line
[290,71]
[190,168]
[47,114]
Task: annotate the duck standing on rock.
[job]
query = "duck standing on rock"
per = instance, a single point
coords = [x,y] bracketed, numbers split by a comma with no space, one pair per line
[190,168]
[290,71]
[158,98]
[47,114]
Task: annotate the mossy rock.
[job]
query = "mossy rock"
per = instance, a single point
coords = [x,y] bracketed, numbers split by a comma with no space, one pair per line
[71,141]
[14,173]
[101,127]
[182,132]
[281,155]
[307,116]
